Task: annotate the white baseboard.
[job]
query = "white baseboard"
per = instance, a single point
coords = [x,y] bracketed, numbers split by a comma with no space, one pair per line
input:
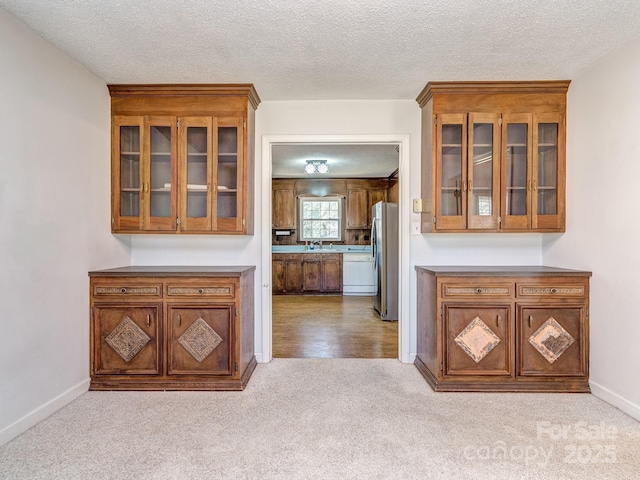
[30,419]
[616,400]
[260,359]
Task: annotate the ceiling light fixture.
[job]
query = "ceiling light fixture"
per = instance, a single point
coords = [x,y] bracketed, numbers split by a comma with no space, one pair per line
[316,166]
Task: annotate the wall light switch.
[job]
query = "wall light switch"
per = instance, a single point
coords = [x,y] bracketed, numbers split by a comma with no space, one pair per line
[415,228]
[417,205]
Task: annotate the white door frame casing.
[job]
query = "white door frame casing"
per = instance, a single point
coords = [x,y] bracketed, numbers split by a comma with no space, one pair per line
[403,229]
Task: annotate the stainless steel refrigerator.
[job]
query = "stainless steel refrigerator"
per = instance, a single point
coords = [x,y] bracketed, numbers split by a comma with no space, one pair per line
[384,250]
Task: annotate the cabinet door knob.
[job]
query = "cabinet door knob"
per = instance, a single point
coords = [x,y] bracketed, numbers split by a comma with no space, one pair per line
[200,290]
[554,290]
[478,290]
[123,290]
[530,321]
[148,320]
[498,321]
[179,320]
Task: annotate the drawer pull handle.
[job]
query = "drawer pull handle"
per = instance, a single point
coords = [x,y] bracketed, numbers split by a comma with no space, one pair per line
[200,290]
[530,321]
[554,290]
[498,321]
[123,290]
[148,320]
[478,290]
[179,320]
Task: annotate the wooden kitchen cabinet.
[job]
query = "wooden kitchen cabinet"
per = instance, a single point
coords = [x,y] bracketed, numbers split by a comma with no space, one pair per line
[286,273]
[493,156]
[306,273]
[503,328]
[357,206]
[312,272]
[361,196]
[331,273]
[284,206]
[172,328]
[182,158]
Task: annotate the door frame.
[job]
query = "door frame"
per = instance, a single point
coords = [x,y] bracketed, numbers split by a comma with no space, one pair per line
[404,210]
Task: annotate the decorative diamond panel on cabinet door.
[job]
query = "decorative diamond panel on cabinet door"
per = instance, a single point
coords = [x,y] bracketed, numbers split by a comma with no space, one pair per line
[126,340]
[198,340]
[551,341]
[477,340]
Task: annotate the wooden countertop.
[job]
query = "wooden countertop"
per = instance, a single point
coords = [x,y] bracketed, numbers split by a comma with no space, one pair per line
[174,271]
[501,271]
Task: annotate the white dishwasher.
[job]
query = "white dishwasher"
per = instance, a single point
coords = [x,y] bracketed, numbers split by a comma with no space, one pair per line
[357,274]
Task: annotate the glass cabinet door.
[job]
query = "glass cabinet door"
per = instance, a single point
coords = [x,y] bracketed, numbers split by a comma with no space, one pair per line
[195,171]
[548,168]
[229,168]
[127,173]
[159,187]
[483,170]
[451,180]
[516,171]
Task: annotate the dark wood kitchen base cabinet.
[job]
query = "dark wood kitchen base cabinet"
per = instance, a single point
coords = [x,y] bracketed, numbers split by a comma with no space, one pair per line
[172,328]
[503,329]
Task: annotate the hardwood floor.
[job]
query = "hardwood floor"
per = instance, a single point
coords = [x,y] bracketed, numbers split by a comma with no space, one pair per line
[309,326]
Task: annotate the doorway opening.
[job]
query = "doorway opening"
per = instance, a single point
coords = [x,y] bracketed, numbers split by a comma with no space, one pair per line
[327,323]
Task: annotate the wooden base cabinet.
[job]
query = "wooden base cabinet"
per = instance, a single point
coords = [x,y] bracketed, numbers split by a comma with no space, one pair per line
[306,273]
[172,328]
[503,328]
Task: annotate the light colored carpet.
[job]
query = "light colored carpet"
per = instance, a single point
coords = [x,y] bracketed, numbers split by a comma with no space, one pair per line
[328,419]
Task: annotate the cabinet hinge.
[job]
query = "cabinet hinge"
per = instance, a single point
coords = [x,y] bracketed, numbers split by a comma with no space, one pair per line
[499,220]
[500,120]
[243,222]
[434,220]
[236,366]
[177,220]
[441,367]
[435,120]
[441,310]
[113,221]
[179,123]
[235,311]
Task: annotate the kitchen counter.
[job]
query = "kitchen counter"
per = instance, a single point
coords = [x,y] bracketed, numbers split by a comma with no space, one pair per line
[324,249]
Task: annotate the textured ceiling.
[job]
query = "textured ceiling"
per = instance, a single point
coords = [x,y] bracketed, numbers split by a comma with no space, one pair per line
[332,49]
[345,161]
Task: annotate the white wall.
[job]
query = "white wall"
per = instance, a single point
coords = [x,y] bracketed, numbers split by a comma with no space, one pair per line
[603,233]
[54,212]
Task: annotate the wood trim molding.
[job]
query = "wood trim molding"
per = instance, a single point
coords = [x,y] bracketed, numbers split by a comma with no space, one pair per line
[158,90]
[537,86]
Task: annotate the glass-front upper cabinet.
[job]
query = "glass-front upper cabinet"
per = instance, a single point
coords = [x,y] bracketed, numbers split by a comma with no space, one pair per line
[549,174]
[196,159]
[229,170]
[127,172]
[483,171]
[516,171]
[159,172]
[451,179]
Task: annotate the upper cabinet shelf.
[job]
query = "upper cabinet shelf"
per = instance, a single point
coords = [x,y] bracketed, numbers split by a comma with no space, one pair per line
[182,158]
[493,156]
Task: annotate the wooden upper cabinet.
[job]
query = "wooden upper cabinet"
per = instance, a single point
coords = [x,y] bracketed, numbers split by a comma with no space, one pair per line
[182,158]
[493,156]
[357,208]
[284,207]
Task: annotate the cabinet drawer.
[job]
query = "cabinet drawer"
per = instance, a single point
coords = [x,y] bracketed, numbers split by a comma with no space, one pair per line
[126,289]
[201,289]
[533,290]
[476,290]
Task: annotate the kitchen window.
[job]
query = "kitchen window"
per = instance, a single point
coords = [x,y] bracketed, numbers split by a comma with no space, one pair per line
[321,218]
